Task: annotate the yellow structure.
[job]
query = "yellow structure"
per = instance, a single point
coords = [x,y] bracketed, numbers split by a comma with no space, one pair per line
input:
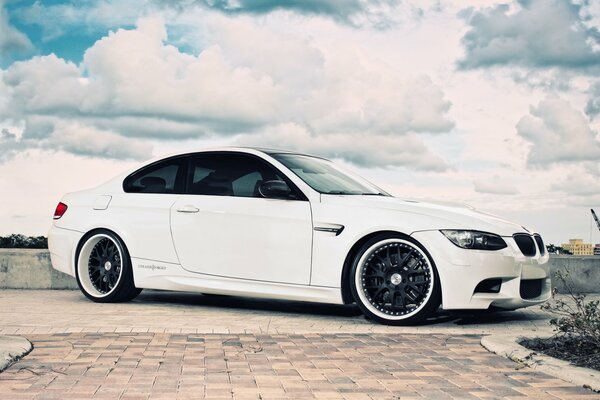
[578,248]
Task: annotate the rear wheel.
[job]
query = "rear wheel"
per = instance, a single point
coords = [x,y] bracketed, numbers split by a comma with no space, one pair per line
[103,269]
[394,281]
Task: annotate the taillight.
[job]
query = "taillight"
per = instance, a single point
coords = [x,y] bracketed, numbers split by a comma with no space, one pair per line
[61,209]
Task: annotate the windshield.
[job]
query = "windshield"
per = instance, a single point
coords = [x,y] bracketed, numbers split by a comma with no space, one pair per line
[325,177]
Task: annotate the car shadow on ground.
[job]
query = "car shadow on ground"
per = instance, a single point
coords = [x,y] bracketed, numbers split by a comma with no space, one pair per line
[247,303]
[480,317]
[458,317]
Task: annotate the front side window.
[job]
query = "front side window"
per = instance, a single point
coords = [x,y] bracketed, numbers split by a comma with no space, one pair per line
[325,177]
[167,176]
[238,175]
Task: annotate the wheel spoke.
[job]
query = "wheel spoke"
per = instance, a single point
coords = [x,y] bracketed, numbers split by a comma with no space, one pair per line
[383,262]
[406,257]
[376,274]
[379,292]
[399,294]
[416,272]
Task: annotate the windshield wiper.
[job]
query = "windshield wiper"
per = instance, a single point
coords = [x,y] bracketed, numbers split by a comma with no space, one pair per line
[342,193]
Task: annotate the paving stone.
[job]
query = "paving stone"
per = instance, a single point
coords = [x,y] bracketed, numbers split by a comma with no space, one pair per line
[50,371]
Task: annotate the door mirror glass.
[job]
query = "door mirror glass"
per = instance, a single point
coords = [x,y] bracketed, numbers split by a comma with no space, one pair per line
[274,190]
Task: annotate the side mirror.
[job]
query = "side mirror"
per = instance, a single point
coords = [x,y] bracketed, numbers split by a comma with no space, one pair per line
[274,190]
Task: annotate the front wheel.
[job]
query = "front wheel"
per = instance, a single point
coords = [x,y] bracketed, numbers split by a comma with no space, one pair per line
[394,281]
[103,269]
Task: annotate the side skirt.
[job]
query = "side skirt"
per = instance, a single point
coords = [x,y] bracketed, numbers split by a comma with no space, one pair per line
[150,274]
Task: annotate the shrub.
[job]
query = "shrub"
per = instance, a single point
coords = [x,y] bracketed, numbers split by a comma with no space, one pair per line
[17,241]
[577,327]
[576,316]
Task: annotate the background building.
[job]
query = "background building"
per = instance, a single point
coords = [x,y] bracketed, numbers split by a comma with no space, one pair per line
[578,248]
[597,249]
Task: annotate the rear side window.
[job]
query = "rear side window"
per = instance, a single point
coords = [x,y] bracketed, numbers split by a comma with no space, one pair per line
[166,176]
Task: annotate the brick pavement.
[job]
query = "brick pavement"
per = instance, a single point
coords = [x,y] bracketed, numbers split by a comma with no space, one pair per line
[178,345]
[290,366]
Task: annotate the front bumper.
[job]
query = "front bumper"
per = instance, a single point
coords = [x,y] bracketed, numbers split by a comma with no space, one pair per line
[468,277]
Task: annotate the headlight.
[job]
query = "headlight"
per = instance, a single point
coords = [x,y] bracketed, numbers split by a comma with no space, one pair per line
[475,240]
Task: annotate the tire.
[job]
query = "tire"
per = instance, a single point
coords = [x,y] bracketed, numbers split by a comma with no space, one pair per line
[394,280]
[103,268]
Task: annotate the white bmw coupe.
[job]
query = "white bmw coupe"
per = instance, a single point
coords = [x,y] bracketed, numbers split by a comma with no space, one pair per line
[276,224]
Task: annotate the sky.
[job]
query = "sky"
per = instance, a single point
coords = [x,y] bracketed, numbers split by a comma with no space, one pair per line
[493,104]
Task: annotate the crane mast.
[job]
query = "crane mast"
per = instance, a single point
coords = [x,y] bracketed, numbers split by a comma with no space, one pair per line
[595,218]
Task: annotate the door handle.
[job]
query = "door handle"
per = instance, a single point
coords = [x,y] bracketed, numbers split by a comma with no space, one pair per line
[188,209]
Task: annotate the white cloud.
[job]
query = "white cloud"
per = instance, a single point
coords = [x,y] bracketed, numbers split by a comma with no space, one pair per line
[141,75]
[364,150]
[558,133]
[578,183]
[131,83]
[532,33]
[11,39]
[72,137]
[90,141]
[44,85]
[495,185]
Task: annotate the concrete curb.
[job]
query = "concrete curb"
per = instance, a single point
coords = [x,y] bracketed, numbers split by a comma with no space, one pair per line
[12,349]
[508,346]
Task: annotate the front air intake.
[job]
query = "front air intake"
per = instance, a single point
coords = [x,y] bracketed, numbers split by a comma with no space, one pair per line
[531,288]
[525,243]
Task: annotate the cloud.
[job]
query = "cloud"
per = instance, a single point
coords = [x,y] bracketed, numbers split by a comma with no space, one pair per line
[11,40]
[133,84]
[74,138]
[592,108]
[558,133]
[539,33]
[580,184]
[43,85]
[9,145]
[56,20]
[495,185]
[90,141]
[579,188]
[365,150]
[377,13]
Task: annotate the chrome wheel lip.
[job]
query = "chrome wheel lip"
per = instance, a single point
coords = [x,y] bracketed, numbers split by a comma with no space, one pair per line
[358,280]
[83,265]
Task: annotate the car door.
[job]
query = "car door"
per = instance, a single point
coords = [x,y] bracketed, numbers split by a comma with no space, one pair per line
[223,226]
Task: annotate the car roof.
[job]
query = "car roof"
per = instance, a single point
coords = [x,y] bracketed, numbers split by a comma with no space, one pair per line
[240,149]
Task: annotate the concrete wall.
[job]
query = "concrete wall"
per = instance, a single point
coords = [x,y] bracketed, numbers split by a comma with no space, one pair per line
[584,272]
[30,269]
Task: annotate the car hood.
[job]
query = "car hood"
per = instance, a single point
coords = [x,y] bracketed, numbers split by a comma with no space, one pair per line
[445,214]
